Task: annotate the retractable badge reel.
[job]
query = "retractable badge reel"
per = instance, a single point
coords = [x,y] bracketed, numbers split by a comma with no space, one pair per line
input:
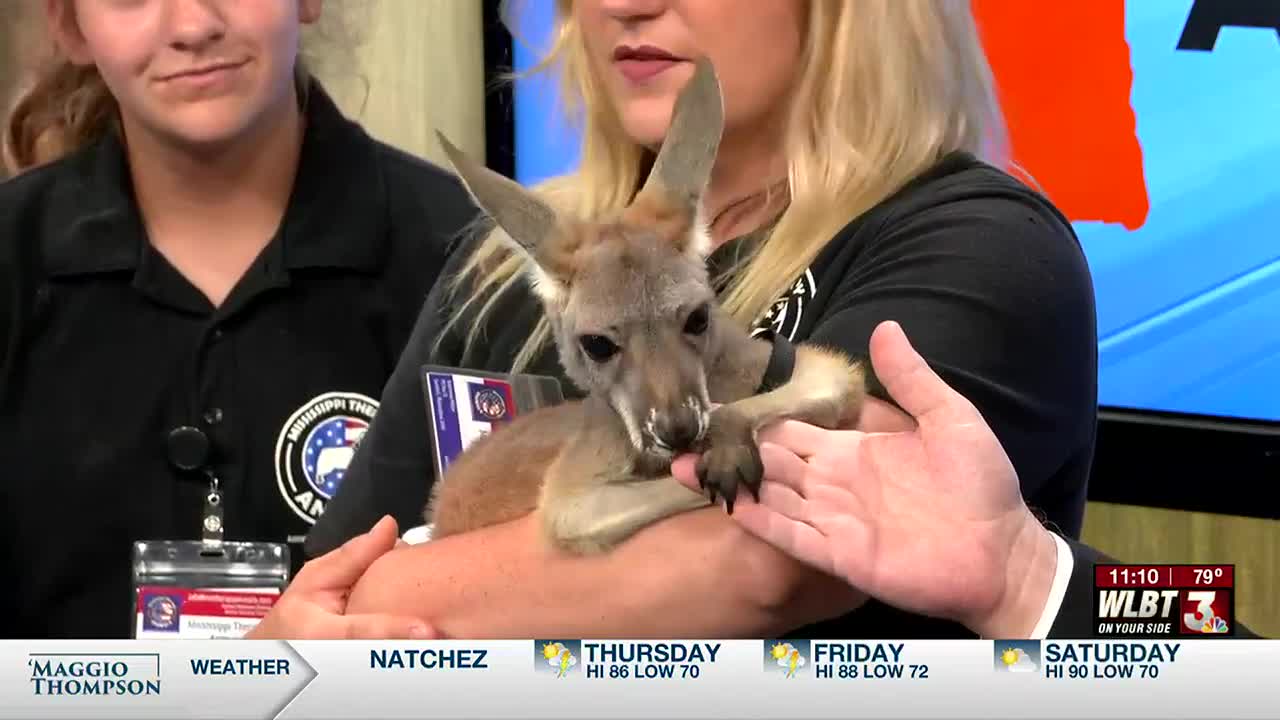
[206,588]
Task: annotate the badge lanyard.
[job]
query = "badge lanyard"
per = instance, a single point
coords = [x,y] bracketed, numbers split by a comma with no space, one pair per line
[189,450]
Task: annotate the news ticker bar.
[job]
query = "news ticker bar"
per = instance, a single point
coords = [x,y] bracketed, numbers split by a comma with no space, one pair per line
[569,678]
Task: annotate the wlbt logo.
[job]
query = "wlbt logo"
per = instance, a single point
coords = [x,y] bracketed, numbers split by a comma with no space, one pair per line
[1201,611]
[1136,604]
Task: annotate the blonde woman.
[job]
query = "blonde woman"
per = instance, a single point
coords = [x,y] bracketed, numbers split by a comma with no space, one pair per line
[850,188]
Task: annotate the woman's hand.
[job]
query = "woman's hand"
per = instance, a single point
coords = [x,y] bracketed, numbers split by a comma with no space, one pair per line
[930,519]
[313,607]
[505,581]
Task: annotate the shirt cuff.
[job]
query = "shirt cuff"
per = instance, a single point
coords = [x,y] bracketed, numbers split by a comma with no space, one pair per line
[1058,590]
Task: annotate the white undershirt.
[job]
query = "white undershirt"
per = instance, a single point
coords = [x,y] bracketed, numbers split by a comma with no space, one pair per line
[1057,591]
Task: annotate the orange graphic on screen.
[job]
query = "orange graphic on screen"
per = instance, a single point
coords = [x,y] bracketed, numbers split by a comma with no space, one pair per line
[1063,75]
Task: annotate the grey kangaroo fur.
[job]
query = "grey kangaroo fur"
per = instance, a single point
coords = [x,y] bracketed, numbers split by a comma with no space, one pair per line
[636,324]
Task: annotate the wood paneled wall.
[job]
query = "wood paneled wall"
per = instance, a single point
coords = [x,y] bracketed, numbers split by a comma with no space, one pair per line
[418,67]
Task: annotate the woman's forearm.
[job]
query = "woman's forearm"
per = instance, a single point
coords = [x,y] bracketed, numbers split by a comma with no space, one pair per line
[694,575]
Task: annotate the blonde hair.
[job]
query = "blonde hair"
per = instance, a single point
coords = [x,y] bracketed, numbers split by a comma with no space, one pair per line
[62,107]
[886,88]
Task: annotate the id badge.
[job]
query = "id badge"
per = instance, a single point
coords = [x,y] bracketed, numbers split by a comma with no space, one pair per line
[465,405]
[188,589]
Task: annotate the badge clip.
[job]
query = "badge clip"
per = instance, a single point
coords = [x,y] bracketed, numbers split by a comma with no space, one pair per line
[211,523]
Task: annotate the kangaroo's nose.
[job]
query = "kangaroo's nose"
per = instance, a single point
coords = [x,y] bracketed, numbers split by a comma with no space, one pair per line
[680,428]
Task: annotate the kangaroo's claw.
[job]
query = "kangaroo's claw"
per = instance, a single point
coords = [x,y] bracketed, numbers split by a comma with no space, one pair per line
[731,460]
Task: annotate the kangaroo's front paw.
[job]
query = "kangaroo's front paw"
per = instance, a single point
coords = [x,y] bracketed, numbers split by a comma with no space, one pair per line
[731,459]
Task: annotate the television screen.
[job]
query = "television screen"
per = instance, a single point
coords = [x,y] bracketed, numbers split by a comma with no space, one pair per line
[1155,127]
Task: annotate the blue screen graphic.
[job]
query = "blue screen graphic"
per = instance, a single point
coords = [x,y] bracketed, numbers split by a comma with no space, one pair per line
[1189,302]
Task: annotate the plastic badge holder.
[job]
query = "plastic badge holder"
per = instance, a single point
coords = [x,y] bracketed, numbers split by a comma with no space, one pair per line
[205,589]
[464,405]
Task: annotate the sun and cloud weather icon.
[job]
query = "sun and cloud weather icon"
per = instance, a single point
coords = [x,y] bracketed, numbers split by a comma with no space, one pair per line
[1017,656]
[556,657]
[786,657]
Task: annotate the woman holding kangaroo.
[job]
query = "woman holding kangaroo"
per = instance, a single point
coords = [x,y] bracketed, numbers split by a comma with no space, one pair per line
[857,181]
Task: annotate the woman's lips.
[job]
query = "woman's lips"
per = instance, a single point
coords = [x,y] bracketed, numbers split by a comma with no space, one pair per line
[639,70]
[640,64]
[206,78]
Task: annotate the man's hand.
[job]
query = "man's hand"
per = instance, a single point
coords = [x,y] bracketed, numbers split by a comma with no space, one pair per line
[314,605]
[929,518]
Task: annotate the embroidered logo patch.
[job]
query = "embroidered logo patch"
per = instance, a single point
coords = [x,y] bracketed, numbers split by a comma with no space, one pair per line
[315,447]
[783,316]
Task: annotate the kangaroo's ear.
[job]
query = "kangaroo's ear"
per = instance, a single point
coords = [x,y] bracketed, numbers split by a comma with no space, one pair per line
[521,214]
[525,218]
[682,169]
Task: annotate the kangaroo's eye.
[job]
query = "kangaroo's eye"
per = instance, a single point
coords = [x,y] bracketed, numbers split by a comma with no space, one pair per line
[698,319]
[598,347]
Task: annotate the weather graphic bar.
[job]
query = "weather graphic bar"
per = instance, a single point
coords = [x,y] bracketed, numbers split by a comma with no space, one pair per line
[565,678]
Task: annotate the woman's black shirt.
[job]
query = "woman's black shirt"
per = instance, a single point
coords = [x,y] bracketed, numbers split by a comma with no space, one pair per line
[105,349]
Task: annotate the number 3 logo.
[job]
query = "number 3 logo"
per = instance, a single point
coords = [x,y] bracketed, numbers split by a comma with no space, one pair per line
[1204,609]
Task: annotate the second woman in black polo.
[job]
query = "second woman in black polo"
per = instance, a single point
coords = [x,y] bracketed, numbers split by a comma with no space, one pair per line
[197,238]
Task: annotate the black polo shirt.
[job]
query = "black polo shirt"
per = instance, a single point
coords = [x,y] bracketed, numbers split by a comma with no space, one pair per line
[106,348]
[985,276]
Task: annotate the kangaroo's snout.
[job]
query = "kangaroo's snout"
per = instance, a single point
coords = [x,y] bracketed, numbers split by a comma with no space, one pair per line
[662,397]
[679,428]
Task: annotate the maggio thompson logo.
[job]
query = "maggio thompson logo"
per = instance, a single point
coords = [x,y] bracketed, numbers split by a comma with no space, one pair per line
[94,673]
